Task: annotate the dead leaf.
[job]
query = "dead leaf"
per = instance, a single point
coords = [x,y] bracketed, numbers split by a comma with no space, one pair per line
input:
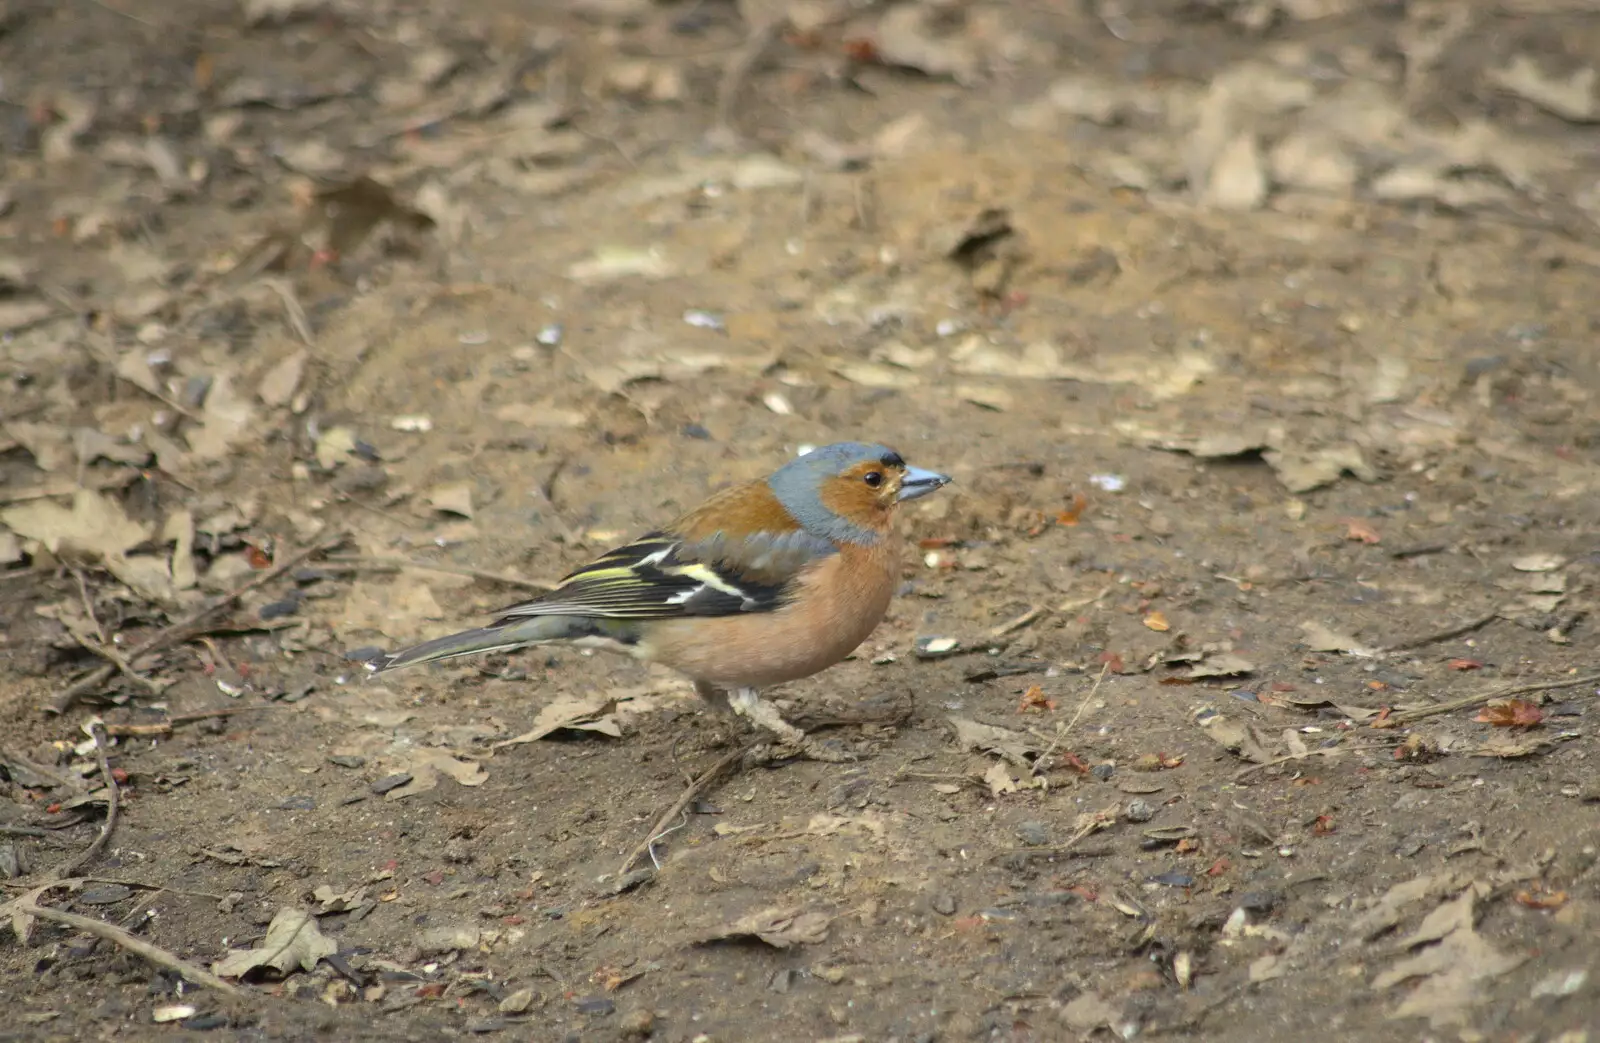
[95,525]
[1573,98]
[279,384]
[999,779]
[1018,748]
[48,444]
[592,713]
[1453,971]
[453,498]
[425,766]
[1222,664]
[1321,638]
[1392,905]
[1511,713]
[778,927]
[1302,470]
[1088,1013]
[1236,737]
[906,37]
[330,901]
[227,415]
[292,941]
[1157,621]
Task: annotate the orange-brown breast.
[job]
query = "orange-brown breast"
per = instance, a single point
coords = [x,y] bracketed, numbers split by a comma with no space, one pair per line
[842,598]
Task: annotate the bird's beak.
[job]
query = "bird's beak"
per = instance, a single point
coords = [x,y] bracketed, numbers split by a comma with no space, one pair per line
[918,482]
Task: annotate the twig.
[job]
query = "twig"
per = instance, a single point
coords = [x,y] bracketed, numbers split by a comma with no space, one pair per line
[27,906]
[165,727]
[384,564]
[738,70]
[113,803]
[1446,634]
[185,628]
[294,314]
[1470,702]
[139,885]
[1042,762]
[1331,751]
[1018,622]
[707,778]
[116,659]
[88,606]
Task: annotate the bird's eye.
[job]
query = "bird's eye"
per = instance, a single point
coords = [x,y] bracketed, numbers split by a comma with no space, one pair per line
[873,479]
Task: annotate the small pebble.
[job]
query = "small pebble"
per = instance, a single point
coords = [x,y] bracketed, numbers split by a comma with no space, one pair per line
[347,760]
[638,1023]
[943,904]
[1259,901]
[705,320]
[1033,833]
[597,1006]
[1103,771]
[205,1022]
[281,608]
[549,335]
[1139,811]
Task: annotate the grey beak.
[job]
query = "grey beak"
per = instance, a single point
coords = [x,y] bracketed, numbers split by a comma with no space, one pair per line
[919,482]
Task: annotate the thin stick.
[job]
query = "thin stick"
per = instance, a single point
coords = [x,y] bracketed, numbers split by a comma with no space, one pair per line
[185,628]
[1331,751]
[117,936]
[1018,622]
[74,881]
[165,727]
[738,70]
[383,564]
[1444,635]
[116,659]
[694,789]
[113,802]
[1470,702]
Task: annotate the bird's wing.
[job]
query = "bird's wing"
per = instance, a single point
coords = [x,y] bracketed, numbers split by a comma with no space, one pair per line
[663,576]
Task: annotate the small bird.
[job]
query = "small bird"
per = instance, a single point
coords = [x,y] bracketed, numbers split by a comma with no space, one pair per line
[764,583]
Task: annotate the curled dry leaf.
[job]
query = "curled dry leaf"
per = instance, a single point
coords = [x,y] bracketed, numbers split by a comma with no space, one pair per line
[594,713]
[778,927]
[1512,713]
[292,941]
[1016,747]
[425,766]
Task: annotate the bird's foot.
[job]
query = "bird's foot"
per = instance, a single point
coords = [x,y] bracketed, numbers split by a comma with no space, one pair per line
[792,742]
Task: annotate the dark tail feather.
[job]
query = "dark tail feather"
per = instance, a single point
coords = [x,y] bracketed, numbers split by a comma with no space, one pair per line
[500,637]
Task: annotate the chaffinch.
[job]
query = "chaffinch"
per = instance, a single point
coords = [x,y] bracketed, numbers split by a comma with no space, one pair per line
[764,583]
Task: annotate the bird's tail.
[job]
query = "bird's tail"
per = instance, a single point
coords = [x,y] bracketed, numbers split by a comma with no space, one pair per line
[500,636]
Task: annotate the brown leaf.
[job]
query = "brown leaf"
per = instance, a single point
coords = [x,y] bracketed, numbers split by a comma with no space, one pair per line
[1512,713]
[595,713]
[292,941]
[1157,621]
[1360,530]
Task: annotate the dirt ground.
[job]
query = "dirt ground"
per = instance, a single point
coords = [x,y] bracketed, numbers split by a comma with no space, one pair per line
[1240,687]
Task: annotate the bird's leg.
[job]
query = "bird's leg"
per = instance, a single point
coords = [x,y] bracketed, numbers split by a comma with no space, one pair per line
[716,697]
[747,703]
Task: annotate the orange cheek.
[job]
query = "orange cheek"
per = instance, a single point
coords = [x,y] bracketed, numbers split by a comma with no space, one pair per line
[852,500]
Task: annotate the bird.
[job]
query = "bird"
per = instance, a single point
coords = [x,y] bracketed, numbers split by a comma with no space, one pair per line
[764,583]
